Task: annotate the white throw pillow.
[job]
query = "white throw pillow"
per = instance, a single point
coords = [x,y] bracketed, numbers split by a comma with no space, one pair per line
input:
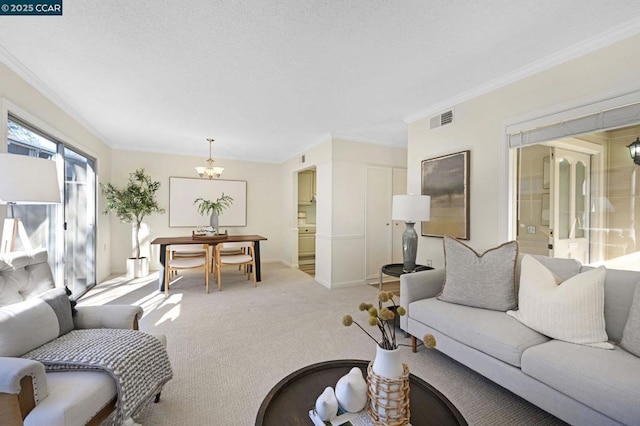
[572,311]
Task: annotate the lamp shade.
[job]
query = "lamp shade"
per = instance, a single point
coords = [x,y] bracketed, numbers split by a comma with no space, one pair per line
[411,208]
[28,180]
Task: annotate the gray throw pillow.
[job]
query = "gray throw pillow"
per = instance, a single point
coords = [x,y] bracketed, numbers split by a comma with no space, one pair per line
[631,333]
[58,300]
[484,280]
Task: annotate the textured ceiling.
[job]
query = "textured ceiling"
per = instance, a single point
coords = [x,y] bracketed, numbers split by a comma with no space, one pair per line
[269,79]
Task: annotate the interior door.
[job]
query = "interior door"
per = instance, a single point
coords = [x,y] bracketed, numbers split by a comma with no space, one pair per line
[571,221]
[378,219]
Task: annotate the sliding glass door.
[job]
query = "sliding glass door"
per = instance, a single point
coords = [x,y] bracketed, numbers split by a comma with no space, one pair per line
[67,231]
[79,224]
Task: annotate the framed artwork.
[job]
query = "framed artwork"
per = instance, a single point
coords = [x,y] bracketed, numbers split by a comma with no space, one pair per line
[184,191]
[446,180]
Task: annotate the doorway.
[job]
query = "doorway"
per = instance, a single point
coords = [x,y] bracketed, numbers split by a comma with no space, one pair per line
[306,215]
[570,223]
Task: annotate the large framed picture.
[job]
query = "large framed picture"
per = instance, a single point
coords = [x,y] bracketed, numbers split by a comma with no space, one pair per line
[446,180]
[184,191]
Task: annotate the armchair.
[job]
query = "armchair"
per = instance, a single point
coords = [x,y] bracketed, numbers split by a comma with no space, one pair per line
[32,313]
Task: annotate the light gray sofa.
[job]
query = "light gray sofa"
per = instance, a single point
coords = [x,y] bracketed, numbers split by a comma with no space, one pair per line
[28,394]
[578,384]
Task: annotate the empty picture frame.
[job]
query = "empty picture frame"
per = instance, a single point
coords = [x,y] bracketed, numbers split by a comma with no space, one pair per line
[184,191]
[446,180]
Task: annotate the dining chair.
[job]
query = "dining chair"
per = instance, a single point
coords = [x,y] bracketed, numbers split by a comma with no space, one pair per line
[224,252]
[236,253]
[187,250]
[189,258]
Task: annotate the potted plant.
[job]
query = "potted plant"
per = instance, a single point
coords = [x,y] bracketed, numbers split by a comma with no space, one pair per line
[132,204]
[214,208]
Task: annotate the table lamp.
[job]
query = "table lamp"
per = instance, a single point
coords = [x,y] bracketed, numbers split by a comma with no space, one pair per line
[410,209]
[24,180]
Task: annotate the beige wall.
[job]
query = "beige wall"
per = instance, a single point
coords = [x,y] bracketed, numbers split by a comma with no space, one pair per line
[480,127]
[22,99]
[264,201]
[340,206]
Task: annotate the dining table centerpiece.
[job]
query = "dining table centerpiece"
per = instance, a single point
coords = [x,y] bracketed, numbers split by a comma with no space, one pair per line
[213,208]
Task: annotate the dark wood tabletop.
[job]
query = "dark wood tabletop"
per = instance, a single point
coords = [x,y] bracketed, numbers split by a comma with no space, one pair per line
[289,402]
[163,242]
[204,240]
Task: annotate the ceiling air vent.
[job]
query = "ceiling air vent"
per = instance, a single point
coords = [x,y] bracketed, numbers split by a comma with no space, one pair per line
[442,119]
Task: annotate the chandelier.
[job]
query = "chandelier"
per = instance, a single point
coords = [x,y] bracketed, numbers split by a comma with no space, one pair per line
[209,171]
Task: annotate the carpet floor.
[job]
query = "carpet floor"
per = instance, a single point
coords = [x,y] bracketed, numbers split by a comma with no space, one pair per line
[229,348]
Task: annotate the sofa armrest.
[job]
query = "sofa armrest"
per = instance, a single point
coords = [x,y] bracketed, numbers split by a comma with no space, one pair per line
[108,316]
[417,286]
[23,385]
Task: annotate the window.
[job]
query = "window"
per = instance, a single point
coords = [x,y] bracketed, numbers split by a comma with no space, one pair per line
[577,197]
[67,231]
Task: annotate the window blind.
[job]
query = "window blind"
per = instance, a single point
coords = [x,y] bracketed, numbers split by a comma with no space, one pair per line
[600,121]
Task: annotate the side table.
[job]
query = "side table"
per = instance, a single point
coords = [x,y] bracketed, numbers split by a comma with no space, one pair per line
[395,270]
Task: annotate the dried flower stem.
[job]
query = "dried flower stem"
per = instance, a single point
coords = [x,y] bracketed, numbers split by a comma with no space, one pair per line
[372,338]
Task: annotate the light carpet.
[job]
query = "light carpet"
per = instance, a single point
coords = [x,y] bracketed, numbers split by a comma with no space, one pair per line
[229,348]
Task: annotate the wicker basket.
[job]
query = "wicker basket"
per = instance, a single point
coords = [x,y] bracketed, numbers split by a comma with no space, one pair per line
[388,398]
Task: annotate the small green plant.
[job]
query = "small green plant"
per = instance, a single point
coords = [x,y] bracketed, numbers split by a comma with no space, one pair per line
[133,202]
[206,207]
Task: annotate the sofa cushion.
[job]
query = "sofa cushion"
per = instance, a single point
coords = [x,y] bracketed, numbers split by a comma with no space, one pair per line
[618,295]
[631,334]
[484,280]
[26,325]
[572,311]
[24,275]
[607,381]
[74,398]
[494,333]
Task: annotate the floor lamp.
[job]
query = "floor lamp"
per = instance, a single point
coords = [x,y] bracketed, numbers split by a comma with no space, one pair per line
[410,209]
[24,180]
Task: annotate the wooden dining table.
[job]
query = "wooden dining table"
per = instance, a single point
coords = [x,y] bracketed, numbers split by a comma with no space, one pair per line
[212,241]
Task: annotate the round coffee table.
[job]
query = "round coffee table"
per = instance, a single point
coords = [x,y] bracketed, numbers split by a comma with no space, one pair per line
[289,402]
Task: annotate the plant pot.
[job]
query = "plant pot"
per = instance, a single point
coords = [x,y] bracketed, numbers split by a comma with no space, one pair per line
[137,268]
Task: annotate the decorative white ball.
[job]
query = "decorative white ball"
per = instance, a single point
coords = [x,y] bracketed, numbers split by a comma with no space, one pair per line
[351,391]
[327,405]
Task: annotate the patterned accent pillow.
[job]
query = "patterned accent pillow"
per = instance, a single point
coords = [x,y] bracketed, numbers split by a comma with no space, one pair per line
[484,280]
[631,334]
[572,311]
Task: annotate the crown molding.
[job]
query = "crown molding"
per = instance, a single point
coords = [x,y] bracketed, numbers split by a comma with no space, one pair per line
[24,73]
[589,45]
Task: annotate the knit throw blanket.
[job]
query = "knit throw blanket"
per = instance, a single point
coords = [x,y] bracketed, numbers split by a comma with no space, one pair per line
[137,362]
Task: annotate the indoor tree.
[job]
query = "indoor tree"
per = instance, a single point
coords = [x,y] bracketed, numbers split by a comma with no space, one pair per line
[134,202]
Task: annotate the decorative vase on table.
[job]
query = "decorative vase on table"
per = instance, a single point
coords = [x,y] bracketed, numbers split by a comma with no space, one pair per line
[388,388]
[213,221]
